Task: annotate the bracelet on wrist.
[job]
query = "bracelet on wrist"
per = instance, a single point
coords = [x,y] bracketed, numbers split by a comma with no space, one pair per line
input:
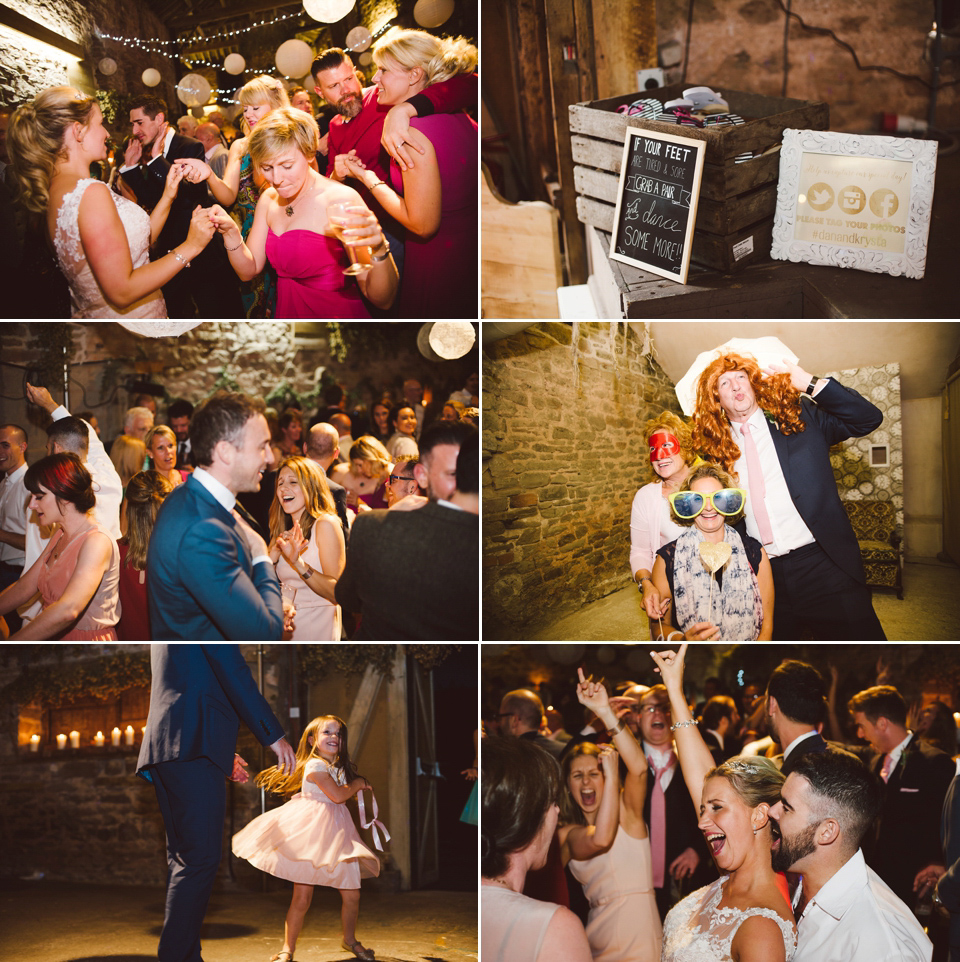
[619,727]
[180,258]
[234,248]
[683,724]
[383,255]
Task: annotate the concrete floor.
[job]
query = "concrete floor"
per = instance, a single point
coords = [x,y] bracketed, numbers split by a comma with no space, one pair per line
[929,611]
[65,922]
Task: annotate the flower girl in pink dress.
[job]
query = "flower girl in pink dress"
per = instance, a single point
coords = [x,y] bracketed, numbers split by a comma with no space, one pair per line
[312,840]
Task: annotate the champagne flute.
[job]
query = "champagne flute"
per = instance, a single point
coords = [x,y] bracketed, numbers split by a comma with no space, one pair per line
[341,216]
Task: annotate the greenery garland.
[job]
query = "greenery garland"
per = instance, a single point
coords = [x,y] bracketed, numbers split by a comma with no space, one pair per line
[54,685]
[318,661]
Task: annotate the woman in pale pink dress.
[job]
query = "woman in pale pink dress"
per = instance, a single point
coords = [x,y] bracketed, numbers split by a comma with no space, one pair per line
[307,547]
[312,840]
[78,573]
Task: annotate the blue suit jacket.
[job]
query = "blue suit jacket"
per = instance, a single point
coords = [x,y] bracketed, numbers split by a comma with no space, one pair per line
[837,414]
[198,695]
[201,583]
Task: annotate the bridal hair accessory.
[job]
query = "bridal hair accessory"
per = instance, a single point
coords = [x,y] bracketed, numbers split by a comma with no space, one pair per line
[374,822]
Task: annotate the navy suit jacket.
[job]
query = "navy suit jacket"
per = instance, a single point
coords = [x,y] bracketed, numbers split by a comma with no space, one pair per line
[198,696]
[810,744]
[837,414]
[201,583]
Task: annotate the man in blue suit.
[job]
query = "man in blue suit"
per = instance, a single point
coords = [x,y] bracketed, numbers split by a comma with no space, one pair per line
[776,434]
[209,574]
[198,694]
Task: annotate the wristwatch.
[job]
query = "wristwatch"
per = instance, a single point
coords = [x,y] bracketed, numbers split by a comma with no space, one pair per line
[812,384]
[307,571]
[379,258]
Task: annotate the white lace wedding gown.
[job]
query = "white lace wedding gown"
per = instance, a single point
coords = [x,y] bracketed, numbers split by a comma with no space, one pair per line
[697,930]
[87,298]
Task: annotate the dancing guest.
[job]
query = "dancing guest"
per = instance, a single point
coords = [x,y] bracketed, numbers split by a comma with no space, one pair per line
[289,440]
[436,198]
[519,785]
[365,476]
[737,605]
[161,445]
[145,494]
[128,455]
[77,573]
[102,240]
[402,481]
[744,916]
[402,442]
[452,411]
[777,441]
[242,184]
[307,547]
[381,413]
[651,524]
[937,727]
[796,709]
[604,839]
[326,247]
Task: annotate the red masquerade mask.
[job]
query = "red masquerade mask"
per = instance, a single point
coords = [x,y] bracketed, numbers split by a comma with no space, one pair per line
[663,445]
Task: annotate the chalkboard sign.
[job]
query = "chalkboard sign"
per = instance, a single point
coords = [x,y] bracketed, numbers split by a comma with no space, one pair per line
[657,202]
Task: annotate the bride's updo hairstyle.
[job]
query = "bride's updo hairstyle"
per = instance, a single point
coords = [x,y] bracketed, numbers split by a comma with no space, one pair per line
[440,58]
[518,784]
[35,140]
[755,779]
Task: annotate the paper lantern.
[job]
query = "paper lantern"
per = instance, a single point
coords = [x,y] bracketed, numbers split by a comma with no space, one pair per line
[328,11]
[366,58]
[294,58]
[359,38]
[234,63]
[150,76]
[108,66]
[193,90]
[197,112]
[432,13]
[159,328]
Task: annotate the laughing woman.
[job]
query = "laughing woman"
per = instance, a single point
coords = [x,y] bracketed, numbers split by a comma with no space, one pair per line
[744,916]
[307,548]
[605,842]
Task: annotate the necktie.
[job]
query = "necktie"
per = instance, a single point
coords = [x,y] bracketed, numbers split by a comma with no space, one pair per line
[887,767]
[758,490]
[658,822]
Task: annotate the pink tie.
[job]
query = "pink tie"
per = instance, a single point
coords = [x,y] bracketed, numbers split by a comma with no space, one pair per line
[658,823]
[758,490]
[887,767]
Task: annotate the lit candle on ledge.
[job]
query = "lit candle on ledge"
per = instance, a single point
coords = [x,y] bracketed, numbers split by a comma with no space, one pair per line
[61,741]
[128,735]
[74,739]
[98,740]
[115,737]
[143,731]
[34,743]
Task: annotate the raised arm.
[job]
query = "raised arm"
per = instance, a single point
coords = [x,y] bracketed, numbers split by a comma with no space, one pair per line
[695,758]
[585,841]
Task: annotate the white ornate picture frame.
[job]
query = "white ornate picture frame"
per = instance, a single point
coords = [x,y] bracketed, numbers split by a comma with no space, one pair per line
[850,200]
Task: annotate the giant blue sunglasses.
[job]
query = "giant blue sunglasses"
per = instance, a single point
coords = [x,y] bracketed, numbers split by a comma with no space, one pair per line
[688,504]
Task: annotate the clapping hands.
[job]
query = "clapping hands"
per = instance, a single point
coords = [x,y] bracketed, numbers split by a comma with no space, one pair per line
[291,543]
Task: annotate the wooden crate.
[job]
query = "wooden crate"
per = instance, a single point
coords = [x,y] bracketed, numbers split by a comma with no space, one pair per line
[737,201]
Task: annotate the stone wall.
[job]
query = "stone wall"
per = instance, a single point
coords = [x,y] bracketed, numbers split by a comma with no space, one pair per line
[563,457]
[257,356]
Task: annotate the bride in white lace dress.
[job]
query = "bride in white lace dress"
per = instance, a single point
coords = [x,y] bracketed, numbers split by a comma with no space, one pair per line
[745,915]
[102,240]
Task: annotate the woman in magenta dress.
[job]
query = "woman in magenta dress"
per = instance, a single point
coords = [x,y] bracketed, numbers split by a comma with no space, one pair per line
[78,571]
[294,231]
[436,199]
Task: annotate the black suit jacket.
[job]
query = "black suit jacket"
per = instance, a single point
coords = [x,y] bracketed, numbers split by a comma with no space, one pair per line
[837,414]
[148,183]
[413,575]
[948,888]
[339,493]
[907,836]
[814,743]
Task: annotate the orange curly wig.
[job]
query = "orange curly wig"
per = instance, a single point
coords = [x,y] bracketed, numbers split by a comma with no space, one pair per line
[775,395]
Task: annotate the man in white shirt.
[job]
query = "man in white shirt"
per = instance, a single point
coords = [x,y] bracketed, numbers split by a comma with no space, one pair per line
[13,504]
[775,435]
[215,154]
[845,912]
[796,708]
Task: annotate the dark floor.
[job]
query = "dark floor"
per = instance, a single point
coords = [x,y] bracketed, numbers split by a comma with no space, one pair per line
[62,922]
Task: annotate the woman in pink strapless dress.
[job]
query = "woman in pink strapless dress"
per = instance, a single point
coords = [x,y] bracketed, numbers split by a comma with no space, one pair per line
[297,228]
[436,199]
[78,573]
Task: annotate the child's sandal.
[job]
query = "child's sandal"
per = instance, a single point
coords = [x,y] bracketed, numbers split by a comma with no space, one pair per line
[283,957]
[366,955]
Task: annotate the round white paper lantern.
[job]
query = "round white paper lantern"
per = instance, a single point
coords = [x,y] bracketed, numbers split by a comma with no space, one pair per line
[193,90]
[359,38]
[108,66]
[150,76]
[294,58]
[432,13]
[234,63]
[328,11]
[366,58]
